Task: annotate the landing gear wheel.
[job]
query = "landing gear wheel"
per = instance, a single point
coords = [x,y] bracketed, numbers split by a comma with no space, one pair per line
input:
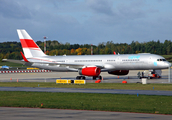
[100,77]
[78,77]
[94,77]
[83,77]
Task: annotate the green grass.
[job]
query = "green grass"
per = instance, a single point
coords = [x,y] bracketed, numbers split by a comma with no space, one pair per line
[131,86]
[168,57]
[11,64]
[88,101]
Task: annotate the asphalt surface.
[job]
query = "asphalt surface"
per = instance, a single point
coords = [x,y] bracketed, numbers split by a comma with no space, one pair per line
[52,76]
[82,90]
[7,113]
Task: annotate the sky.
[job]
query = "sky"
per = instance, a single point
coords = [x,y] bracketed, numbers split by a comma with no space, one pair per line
[87,21]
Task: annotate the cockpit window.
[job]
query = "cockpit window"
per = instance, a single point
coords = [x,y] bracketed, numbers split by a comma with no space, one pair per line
[161,59]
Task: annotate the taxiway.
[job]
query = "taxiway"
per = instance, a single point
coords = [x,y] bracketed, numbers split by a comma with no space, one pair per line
[61,114]
[52,76]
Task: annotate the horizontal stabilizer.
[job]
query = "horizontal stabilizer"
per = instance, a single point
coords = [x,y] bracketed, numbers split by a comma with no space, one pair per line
[24,58]
[13,61]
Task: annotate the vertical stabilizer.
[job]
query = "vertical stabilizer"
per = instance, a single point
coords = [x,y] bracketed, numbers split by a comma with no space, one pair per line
[30,48]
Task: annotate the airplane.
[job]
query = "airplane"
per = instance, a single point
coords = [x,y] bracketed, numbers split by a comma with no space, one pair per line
[5,67]
[87,65]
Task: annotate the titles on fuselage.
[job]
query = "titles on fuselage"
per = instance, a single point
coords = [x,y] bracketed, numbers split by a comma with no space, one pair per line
[134,57]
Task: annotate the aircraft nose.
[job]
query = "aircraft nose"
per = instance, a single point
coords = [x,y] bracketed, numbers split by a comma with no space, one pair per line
[167,64]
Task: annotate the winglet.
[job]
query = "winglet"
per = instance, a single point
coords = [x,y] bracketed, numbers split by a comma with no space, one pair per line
[24,58]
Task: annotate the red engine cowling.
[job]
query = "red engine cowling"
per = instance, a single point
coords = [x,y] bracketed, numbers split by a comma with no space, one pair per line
[119,72]
[90,71]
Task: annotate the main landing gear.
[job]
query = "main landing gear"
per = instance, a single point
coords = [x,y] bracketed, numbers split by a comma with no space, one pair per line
[80,77]
[94,77]
[99,77]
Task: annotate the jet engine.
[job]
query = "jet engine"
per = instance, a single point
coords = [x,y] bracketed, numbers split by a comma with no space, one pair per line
[119,72]
[90,71]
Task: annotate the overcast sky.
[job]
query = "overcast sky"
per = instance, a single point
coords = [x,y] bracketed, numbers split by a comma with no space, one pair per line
[87,21]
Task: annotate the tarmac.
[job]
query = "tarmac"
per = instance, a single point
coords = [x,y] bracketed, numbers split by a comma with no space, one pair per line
[52,76]
[83,90]
[9,113]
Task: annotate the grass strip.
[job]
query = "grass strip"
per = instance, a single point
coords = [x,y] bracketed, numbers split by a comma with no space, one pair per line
[12,64]
[129,86]
[88,101]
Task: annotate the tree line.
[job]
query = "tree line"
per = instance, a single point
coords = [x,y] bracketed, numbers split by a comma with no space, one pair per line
[11,50]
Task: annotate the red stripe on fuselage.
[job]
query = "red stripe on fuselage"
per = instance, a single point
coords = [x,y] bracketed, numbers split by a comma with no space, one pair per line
[28,43]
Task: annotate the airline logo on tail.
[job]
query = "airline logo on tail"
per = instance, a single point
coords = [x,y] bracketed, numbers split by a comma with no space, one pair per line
[30,48]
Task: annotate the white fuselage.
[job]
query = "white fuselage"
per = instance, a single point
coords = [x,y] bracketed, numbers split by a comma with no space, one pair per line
[105,62]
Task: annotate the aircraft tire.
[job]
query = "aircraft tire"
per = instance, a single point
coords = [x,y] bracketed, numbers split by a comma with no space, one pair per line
[78,77]
[83,77]
[100,77]
[94,77]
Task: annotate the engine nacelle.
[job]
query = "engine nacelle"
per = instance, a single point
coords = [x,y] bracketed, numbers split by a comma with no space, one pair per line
[90,71]
[119,72]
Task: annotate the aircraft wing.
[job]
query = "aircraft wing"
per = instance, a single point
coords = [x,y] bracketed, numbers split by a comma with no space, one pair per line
[13,61]
[70,64]
[51,64]
[17,61]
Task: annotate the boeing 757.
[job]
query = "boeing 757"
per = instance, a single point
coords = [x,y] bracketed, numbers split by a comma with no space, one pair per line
[87,65]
